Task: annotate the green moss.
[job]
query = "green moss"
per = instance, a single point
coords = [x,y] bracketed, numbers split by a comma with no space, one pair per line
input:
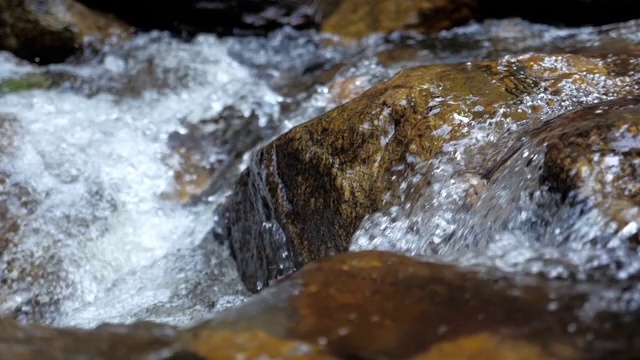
[23,83]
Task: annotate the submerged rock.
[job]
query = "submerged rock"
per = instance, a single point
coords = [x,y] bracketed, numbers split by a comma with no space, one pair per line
[593,159]
[305,193]
[17,200]
[366,305]
[206,154]
[52,30]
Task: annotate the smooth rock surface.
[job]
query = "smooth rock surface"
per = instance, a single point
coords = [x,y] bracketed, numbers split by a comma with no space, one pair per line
[305,193]
[356,18]
[363,305]
[378,305]
[52,30]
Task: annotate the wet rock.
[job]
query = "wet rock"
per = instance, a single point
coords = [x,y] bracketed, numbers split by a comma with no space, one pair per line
[344,90]
[363,305]
[493,39]
[251,345]
[51,31]
[17,201]
[593,159]
[209,151]
[356,18]
[145,340]
[305,193]
[138,341]
[490,347]
[376,305]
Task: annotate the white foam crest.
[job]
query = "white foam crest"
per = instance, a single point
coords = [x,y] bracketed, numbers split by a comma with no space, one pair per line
[96,163]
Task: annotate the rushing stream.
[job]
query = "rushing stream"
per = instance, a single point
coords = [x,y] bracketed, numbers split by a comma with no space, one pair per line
[105,238]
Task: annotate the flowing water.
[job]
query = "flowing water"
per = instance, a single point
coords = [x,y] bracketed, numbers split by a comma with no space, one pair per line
[102,237]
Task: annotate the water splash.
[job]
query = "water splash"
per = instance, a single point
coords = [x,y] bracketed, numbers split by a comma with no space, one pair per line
[98,242]
[92,153]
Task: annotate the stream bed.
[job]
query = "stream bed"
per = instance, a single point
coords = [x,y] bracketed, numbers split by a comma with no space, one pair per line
[115,165]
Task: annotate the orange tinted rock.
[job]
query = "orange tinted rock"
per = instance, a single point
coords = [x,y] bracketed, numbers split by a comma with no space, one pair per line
[486,346]
[355,18]
[366,305]
[582,144]
[378,305]
[251,345]
[305,193]
[347,89]
[416,305]
[591,160]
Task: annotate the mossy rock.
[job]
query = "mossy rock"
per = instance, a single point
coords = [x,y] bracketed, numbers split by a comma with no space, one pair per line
[23,83]
[305,193]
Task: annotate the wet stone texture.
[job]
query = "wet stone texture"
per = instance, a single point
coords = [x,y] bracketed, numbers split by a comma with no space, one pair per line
[593,158]
[377,305]
[52,30]
[363,305]
[590,158]
[355,18]
[205,155]
[304,194]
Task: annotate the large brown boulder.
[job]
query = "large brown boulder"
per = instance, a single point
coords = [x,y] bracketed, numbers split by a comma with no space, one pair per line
[304,194]
[379,305]
[52,30]
[372,305]
[365,305]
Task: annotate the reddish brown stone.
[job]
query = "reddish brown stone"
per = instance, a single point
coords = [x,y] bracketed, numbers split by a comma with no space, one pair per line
[378,305]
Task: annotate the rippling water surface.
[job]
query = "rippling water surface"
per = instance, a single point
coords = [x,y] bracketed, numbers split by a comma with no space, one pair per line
[106,238]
